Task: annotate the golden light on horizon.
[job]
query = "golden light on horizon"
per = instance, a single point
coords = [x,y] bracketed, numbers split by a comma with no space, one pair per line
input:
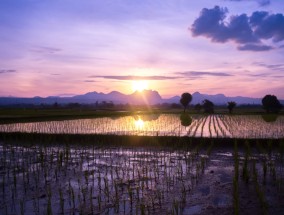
[139,85]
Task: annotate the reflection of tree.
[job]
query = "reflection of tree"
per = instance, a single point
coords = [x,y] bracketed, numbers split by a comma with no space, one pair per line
[269,117]
[185,119]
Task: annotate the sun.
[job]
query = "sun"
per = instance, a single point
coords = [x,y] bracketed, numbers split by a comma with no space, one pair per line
[139,85]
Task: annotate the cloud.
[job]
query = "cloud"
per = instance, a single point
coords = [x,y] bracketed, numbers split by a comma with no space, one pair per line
[45,50]
[260,2]
[199,73]
[255,47]
[134,77]
[89,81]
[211,24]
[265,75]
[275,67]
[247,32]
[268,26]
[2,71]
[263,2]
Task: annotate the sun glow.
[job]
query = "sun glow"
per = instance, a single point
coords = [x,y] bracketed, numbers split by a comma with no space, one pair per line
[139,85]
[139,123]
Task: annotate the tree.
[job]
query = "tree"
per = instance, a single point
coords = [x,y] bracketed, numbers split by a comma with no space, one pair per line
[55,105]
[198,107]
[271,104]
[185,100]
[208,106]
[231,106]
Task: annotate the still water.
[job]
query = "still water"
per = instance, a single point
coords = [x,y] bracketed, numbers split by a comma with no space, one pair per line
[241,126]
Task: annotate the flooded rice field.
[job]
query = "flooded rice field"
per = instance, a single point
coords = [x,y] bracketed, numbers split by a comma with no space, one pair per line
[245,178]
[235,126]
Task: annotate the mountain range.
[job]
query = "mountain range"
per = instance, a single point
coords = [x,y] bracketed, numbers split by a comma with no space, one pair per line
[145,97]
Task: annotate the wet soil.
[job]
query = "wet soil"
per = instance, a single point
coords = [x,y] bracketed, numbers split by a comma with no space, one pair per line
[90,179]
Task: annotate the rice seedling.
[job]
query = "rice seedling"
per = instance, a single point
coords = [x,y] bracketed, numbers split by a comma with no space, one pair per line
[75,173]
[165,124]
[236,180]
[259,191]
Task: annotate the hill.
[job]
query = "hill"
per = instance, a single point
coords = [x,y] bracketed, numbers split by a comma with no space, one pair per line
[149,97]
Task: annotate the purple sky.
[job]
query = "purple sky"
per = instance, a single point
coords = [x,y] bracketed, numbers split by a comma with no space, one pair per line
[68,47]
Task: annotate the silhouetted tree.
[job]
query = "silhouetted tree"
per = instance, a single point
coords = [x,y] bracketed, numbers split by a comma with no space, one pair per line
[271,104]
[208,106]
[185,119]
[231,106]
[185,100]
[73,105]
[198,107]
[55,105]
[175,105]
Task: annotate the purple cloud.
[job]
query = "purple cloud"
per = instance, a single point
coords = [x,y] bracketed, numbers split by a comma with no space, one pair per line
[134,77]
[199,73]
[260,2]
[89,81]
[247,31]
[254,47]
[45,50]
[268,26]
[2,71]
[275,67]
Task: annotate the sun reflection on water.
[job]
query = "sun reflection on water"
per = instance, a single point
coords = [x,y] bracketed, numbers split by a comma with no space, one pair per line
[139,123]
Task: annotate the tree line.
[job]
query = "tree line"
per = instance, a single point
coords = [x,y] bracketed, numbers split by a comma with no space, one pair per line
[270,104]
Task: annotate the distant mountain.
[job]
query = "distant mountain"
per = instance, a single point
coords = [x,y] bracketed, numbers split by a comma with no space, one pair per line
[146,97]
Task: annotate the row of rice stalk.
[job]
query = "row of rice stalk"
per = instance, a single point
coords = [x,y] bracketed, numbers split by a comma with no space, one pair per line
[209,125]
[192,128]
[253,127]
[203,125]
[163,125]
[222,119]
[46,179]
[263,170]
[222,129]
[236,180]
[166,124]
[196,126]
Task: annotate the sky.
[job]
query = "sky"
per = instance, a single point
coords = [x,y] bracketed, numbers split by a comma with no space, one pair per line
[71,47]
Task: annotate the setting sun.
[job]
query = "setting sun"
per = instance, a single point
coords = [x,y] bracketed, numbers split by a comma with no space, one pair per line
[139,85]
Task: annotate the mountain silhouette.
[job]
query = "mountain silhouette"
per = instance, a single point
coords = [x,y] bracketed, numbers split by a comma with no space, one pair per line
[149,97]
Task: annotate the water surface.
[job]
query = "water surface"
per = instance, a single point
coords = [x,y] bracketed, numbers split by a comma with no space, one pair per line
[241,126]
